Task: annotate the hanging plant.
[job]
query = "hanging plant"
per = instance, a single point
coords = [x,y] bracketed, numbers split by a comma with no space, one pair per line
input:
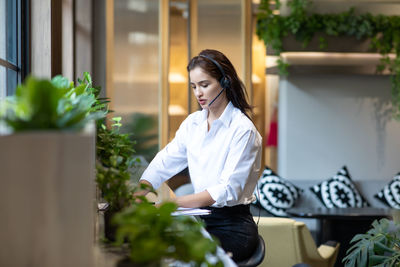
[383,31]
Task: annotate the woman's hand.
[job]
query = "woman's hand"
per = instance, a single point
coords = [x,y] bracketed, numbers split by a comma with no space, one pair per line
[143,192]
[198,200]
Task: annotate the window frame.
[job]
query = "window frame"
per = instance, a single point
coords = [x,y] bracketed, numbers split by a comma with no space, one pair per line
[22,30]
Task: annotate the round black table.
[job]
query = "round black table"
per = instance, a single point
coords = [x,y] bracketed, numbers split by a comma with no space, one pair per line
[341,224]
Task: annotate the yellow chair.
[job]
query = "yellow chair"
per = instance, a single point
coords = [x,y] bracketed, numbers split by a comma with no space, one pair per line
[289,242]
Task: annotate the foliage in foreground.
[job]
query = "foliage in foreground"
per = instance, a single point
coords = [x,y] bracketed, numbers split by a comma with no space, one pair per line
[57,104]
[154,234]
[114,158]
[380,246]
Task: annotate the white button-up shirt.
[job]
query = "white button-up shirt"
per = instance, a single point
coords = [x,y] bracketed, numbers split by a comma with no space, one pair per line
[225,160]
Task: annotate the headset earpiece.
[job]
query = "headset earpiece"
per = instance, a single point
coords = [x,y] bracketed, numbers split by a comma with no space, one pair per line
[224,82]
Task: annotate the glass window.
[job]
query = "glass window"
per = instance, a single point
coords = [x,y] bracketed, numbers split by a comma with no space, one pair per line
[136,73]
[2,81]
[13,32]
[12,81]
[2,28]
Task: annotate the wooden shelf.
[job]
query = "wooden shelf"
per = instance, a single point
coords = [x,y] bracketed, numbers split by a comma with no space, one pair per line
[342,44]
[328,63]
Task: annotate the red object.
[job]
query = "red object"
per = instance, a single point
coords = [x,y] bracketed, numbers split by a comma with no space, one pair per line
[272,139]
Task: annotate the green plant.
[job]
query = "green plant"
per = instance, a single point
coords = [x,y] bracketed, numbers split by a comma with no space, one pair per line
[380,246]
[114,152]
[100,104]
[382,30]
[41,104]
[154,234]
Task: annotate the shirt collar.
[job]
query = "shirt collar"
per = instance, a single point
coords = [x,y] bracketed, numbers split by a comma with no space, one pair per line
[225,117]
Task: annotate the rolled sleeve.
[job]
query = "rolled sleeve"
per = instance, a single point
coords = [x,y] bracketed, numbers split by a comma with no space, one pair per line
[223,194]
[219,194]
[151,175]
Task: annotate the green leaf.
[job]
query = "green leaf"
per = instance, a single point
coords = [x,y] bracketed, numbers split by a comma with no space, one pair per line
[381,248]
[41,104]
[61,82]
[87,77]
[116,119]
[376,259]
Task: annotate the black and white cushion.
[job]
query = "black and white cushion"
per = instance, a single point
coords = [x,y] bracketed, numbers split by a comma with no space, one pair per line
[390,194]
[339,191]
[276,194]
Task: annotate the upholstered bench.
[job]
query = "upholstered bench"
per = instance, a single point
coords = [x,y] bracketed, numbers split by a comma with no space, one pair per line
[275,195]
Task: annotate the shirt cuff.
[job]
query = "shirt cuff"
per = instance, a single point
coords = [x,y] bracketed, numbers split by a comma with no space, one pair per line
[147,175]
[219,194]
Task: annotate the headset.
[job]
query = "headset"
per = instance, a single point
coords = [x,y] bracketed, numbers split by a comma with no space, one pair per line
[224,82]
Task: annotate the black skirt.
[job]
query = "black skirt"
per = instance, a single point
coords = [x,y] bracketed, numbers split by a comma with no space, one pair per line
[235,228]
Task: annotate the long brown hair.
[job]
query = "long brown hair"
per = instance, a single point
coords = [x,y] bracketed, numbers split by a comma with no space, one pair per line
[236,91]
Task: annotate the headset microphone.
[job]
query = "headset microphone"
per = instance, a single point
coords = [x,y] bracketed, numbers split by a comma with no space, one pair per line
[215,98]
[224,82]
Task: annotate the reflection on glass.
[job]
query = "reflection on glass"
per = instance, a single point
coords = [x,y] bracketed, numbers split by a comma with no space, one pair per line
[178,77]
[136,71]
[12,81]
[12,31]
[2,29]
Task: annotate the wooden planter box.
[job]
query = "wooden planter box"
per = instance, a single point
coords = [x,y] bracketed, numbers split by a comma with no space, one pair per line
[342,44]
[343,55]
[47,199]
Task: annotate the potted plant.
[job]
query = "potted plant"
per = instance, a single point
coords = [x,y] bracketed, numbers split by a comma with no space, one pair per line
[116,163]
[380,246]
[153,236]
[47,161]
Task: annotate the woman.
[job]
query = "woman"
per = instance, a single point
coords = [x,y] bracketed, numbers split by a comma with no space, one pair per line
[222,150]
